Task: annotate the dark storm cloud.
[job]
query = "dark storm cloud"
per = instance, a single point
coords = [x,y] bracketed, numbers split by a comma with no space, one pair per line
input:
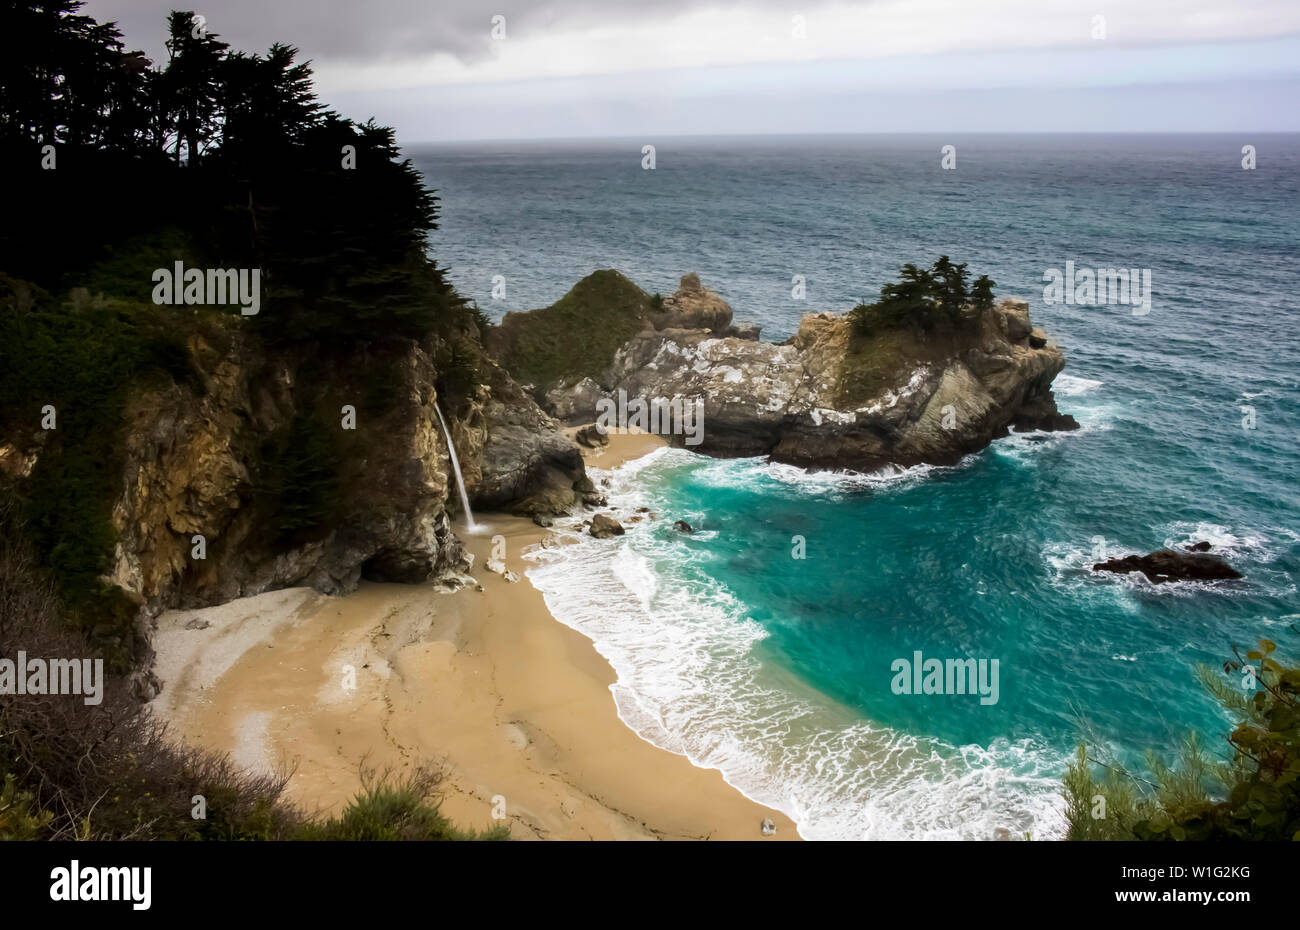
[382,30]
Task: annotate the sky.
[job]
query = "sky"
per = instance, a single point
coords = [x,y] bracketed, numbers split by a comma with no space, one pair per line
[448,70]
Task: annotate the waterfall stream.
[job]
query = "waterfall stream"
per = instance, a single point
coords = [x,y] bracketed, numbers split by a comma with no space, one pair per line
[471,526]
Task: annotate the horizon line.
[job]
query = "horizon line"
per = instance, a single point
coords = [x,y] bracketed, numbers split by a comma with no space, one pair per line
[880,132]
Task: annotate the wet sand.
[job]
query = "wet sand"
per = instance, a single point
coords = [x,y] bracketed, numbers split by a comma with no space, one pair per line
[513,704]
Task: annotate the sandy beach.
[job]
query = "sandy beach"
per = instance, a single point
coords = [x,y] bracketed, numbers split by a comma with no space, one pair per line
[515,705]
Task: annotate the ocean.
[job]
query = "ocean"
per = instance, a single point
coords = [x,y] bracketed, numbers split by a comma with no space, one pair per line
[778,669]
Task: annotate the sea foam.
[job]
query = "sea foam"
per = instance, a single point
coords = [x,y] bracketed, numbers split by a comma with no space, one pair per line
[692,679]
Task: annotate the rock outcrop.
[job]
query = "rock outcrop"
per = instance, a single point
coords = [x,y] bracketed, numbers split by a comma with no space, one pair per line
[1164,565]
[591,437]
[195,466]
[829,397]
[694,307]
[527,465]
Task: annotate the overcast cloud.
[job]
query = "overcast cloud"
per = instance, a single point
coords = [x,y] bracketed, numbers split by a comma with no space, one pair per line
[435,71]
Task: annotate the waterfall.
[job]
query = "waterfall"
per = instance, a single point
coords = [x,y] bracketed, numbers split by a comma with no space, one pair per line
[471,526]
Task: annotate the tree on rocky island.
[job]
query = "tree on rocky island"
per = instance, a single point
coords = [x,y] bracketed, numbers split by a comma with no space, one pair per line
[950,287]
[922,298]
[981,293]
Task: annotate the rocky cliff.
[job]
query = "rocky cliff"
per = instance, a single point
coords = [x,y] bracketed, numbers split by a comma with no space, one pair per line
[830,397]
[159,457]
[209,460]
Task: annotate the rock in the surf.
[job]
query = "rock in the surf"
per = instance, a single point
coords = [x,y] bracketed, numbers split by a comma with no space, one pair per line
[1171,565]
[603,527]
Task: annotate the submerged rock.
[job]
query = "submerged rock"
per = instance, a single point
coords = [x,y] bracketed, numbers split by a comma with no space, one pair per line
[588,493]
[1171,565]
[682,526]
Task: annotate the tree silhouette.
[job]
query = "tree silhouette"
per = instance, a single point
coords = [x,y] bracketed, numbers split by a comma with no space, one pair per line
[189,88]
[228,151]
[65,79]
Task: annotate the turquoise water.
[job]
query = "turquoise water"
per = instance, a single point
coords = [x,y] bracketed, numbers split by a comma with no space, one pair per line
[777,670]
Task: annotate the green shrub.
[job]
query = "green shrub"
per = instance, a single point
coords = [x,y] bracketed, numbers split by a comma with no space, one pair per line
[576,337]
[459,374]
[82,358]
[924,299]
[20,818]
[298,489]
[387,809]
[1254,795]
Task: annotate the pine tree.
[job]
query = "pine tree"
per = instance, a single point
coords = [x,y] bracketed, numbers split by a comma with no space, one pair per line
[190,86]
[950,287]
[982,293]
[65,78]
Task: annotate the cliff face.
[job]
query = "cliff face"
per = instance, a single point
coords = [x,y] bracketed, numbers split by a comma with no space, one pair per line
[829,398]
[524,463]
[196,463]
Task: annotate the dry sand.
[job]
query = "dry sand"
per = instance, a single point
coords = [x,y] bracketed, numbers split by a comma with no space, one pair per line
[514,704]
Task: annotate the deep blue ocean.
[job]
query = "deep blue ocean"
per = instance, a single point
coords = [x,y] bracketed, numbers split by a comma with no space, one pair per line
[776,669]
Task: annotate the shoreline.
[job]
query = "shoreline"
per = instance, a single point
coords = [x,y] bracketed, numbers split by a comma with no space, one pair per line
[513,703]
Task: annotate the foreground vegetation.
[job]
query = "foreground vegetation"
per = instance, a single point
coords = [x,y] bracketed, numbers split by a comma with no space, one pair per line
[1252,794]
